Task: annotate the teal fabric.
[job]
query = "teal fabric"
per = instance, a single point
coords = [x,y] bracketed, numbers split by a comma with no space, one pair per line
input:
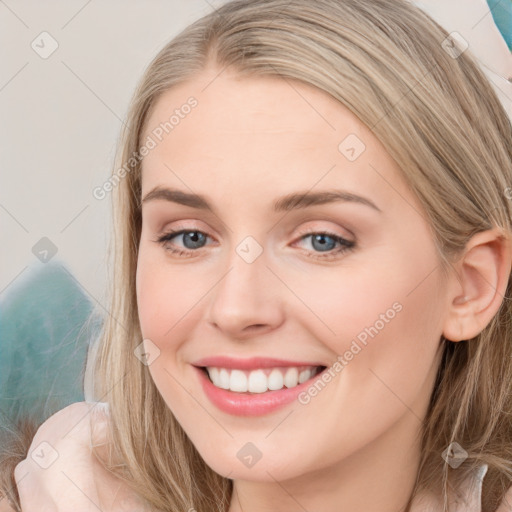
[502,14]
[44,336]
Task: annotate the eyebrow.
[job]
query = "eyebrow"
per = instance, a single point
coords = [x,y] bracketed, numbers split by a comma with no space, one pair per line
[296,200]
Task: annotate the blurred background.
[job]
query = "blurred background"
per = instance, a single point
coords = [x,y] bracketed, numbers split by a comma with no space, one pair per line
[68,71]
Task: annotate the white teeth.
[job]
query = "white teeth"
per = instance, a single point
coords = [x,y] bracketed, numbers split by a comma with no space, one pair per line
[261,380]
[291,378]
[304,375]
[275,380]
[223,381]
[214,374]
[257,382]
[238,381]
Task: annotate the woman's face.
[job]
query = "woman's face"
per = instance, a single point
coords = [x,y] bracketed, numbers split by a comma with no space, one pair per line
[250,279]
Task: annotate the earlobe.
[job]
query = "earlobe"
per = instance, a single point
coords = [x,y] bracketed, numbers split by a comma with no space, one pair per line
[478,285]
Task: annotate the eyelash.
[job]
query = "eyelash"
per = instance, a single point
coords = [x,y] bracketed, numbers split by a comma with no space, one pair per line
[346,245]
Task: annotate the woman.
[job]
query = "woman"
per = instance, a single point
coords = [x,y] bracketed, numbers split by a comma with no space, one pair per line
[312,277]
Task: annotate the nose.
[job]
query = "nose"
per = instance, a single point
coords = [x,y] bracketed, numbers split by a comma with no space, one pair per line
[247,299]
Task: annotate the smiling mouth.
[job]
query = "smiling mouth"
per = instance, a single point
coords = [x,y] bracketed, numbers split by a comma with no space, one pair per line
[260,380]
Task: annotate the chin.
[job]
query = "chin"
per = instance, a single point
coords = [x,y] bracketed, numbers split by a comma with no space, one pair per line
[234,462]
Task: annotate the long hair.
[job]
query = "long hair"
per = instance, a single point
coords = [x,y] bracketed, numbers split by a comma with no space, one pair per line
[442,123]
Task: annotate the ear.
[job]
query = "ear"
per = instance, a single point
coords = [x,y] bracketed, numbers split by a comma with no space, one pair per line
[478,287]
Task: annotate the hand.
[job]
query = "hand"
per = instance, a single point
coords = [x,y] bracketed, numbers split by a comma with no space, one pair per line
[60,474]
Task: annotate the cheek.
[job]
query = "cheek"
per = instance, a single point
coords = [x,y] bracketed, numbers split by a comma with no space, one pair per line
[151,296]
[170,303]
[164,300]
[357,304]
[392,338]
[380,320]
[165,297]
[383,329]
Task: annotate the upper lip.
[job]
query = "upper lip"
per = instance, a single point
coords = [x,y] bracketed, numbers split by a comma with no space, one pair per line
[250,363]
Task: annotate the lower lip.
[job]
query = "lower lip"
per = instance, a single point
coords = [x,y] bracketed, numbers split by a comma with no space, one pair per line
[250,404]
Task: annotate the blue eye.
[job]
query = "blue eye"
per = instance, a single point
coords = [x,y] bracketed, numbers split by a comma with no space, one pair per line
[195,241]
[327,242]
[330,244]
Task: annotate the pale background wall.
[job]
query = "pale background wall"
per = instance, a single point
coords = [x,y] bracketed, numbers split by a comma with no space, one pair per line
[60,118]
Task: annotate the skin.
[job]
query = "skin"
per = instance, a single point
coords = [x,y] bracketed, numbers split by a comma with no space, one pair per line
[4,505]
[248,142]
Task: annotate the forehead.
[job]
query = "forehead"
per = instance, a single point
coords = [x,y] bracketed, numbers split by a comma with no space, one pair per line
[251,133]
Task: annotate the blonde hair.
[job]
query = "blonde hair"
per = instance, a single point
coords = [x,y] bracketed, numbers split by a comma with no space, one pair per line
[440,120]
